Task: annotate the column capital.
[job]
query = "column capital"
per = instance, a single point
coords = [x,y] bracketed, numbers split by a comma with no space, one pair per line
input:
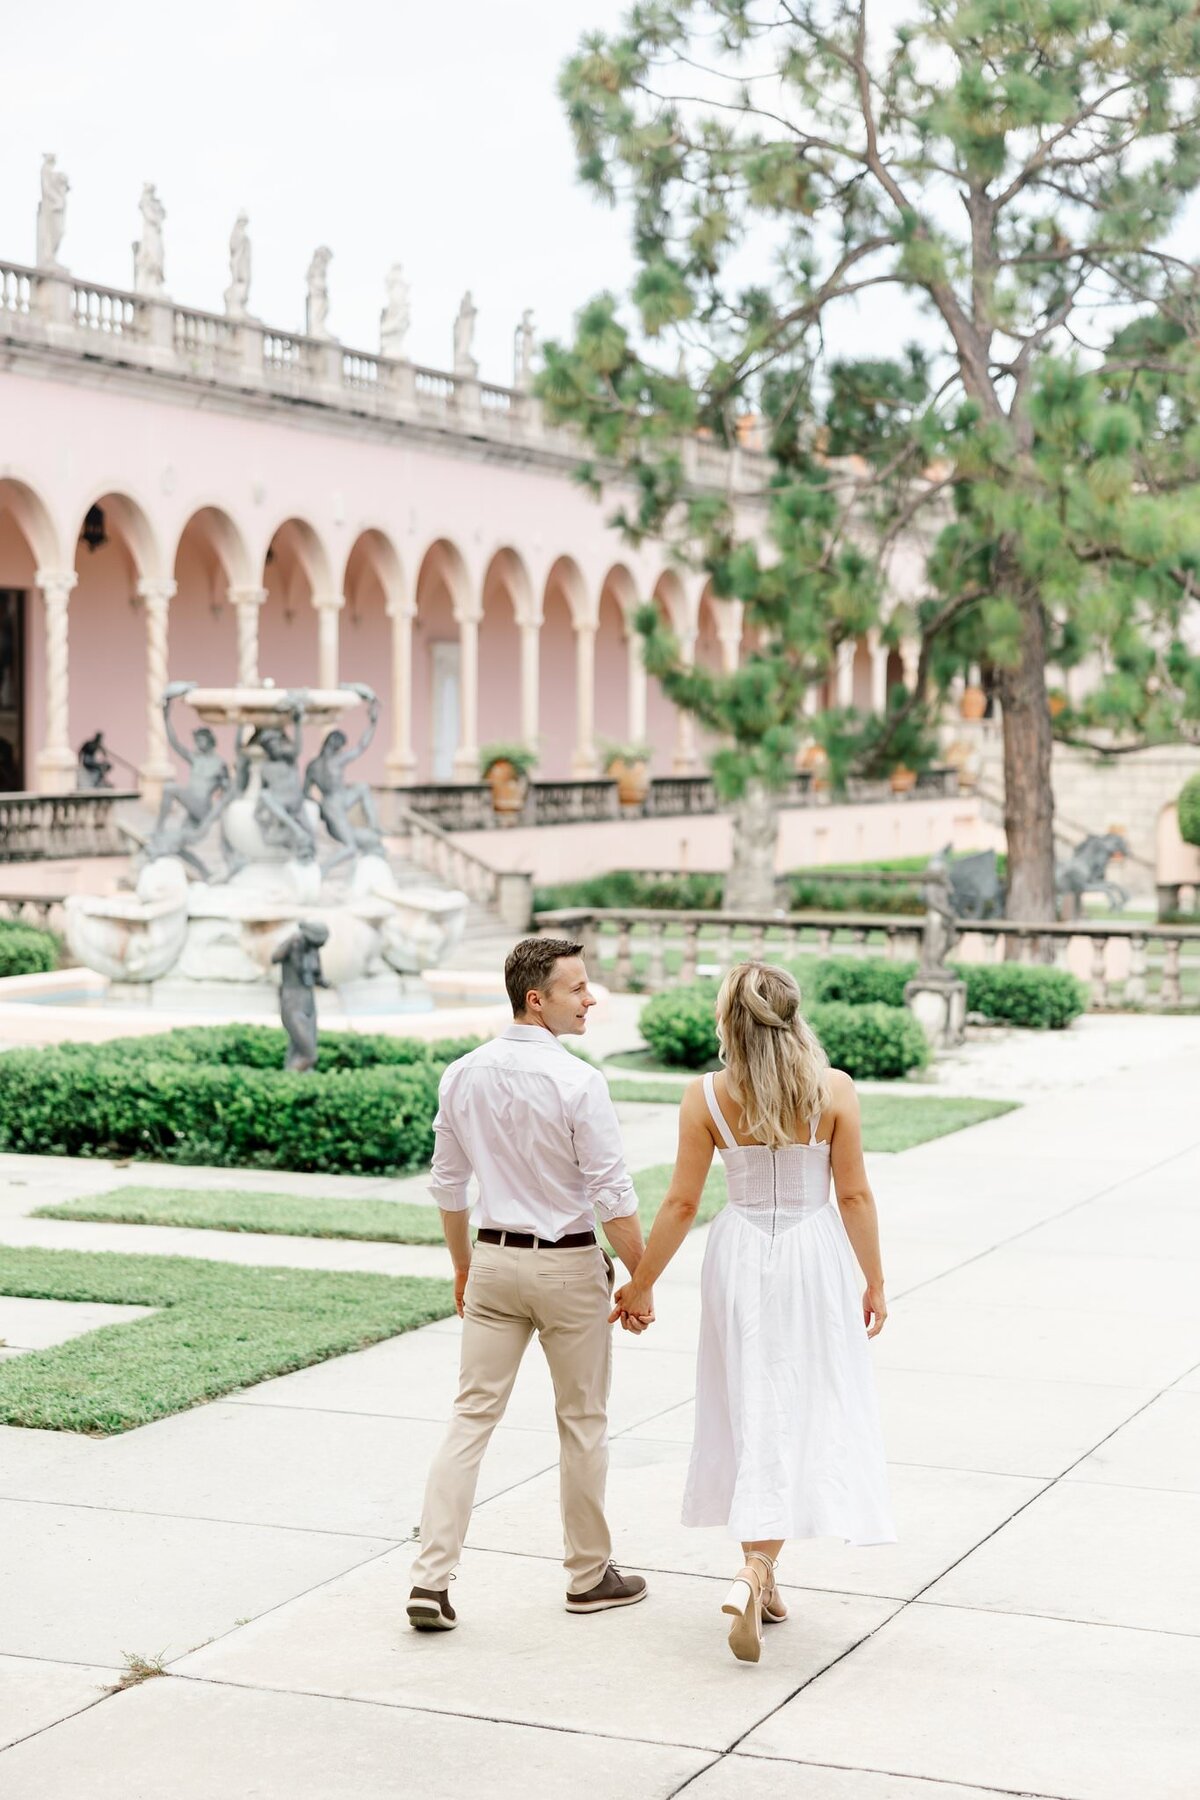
[329,602]
[156,590]
[845,652]
[247,596]
[56,584]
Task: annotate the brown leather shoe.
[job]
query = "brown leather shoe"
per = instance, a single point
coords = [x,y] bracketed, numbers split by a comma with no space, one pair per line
[429,1610]
[612,1589]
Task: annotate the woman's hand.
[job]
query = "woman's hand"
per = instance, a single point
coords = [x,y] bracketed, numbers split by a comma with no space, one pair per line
[633,1306]
[874,1311]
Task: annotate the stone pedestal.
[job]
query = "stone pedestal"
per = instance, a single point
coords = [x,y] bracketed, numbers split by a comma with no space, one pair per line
[939,1003]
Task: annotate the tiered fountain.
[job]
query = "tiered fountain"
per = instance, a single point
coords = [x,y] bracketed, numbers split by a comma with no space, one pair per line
[296,841]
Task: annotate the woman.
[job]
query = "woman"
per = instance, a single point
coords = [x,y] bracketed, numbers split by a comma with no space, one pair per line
[787,1439]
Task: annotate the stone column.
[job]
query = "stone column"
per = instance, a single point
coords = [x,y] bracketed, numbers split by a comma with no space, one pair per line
[246,602]
[466,758]
[879,663]
[637,688]
[401,761]
[583,762]
[684,760]
[731,649]
[328,607]
[910,659]
[56,759]
[845,672]
[531,632]
[156,597]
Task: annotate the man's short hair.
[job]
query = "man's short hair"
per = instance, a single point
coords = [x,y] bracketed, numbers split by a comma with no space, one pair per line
[530,963]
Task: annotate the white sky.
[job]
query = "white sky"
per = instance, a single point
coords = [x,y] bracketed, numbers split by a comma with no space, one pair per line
[411,131]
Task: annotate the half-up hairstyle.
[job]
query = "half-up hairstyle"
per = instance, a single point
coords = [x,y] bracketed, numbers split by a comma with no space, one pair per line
[777,1071]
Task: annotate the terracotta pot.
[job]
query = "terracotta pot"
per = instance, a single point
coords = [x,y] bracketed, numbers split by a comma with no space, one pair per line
[903,780]
[632,779]
[973,704]
[508,787]
[1057,704]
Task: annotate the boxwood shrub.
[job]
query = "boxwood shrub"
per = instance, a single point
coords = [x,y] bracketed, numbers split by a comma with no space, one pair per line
[1010,993]
[26,949]
[869,1042]
[218,1095]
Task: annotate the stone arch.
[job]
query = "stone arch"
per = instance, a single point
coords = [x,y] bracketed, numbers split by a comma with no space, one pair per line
[29,542]
[211,558]
[617,640]
[376,594]
[509,607]
[296,574]
[442,597]
[662,718]
[116,550]
[564,608]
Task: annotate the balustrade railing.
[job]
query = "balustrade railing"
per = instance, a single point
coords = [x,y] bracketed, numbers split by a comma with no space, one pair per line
[1125,965]
[57,825]
[40,305]
[33,909]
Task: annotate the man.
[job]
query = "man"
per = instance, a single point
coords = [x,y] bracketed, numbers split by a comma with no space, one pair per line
[536,1127]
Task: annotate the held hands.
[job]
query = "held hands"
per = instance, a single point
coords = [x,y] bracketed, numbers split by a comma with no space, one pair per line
[874,1311]
[634,1307]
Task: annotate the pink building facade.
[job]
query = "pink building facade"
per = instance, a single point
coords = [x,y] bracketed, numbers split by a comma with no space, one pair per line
[185,496]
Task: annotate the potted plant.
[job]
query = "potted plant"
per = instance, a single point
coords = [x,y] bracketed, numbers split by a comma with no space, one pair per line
[1056,702]
[629,766]
[900,747]
[973,702]
[505,768]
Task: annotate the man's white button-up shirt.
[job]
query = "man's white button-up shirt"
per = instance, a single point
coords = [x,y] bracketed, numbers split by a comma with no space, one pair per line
[537,1128]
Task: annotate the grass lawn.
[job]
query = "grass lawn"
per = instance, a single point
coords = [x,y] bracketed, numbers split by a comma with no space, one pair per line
[289,1215]
[219,1327]
[648,1093]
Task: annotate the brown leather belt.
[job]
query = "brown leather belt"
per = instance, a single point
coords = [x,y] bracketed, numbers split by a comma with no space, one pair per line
[525,1240]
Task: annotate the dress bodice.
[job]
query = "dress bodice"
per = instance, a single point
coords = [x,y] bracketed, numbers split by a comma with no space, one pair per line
[772,1189]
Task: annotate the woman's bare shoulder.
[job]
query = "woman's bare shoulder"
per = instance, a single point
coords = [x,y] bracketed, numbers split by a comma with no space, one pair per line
[842,1091]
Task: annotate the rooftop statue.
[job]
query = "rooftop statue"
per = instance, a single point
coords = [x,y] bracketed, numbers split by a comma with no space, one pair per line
[148,251]
[337,797]
[396,316]
[51,214]
[465,365]
[316,305]
[524,341]
[237,294]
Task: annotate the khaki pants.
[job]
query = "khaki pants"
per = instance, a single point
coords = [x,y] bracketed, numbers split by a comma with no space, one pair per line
[563,1295]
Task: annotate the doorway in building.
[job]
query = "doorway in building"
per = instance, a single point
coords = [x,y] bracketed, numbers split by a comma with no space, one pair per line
[12,690]
[444,686]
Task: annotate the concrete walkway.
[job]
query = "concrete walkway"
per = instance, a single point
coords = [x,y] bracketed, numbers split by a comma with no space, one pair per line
[1036,1631]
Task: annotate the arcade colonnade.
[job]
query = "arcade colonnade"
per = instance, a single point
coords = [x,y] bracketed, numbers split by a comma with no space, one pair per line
[111,600]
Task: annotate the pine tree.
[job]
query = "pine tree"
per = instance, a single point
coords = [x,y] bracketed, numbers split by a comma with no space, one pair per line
[1018,166]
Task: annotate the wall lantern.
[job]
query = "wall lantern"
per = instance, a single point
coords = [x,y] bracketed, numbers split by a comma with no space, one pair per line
[93,533]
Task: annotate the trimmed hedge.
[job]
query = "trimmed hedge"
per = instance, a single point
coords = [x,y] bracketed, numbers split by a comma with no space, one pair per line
[26,949]
[869,1042]
[217,1095]
[1023,994]
[632,888]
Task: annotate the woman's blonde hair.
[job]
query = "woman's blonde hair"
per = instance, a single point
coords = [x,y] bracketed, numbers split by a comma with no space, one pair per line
[777,1070]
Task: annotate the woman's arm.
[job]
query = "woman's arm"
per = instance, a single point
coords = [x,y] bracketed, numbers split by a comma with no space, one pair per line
[679,1208]
[855,1198]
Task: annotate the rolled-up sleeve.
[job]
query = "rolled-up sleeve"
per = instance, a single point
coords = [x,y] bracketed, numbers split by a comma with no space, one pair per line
[600,1153]
[451,1172]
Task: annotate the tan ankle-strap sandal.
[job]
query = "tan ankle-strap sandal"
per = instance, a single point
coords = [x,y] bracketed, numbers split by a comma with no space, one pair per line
[745,1601]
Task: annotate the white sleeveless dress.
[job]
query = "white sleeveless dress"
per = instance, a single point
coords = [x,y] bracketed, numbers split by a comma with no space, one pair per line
[787,1441]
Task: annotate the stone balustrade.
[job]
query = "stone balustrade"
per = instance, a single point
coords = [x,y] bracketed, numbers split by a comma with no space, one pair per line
[1125,964]
[54,309]
[58,825]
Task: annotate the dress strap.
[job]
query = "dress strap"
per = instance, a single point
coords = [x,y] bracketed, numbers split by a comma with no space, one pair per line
[719,1120]
[812,1127]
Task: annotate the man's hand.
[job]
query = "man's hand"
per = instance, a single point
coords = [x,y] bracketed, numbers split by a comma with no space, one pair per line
[460,1288]
[634,1307]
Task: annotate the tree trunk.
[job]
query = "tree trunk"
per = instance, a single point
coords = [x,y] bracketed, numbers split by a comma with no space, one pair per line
[1028,795]
[750,883]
